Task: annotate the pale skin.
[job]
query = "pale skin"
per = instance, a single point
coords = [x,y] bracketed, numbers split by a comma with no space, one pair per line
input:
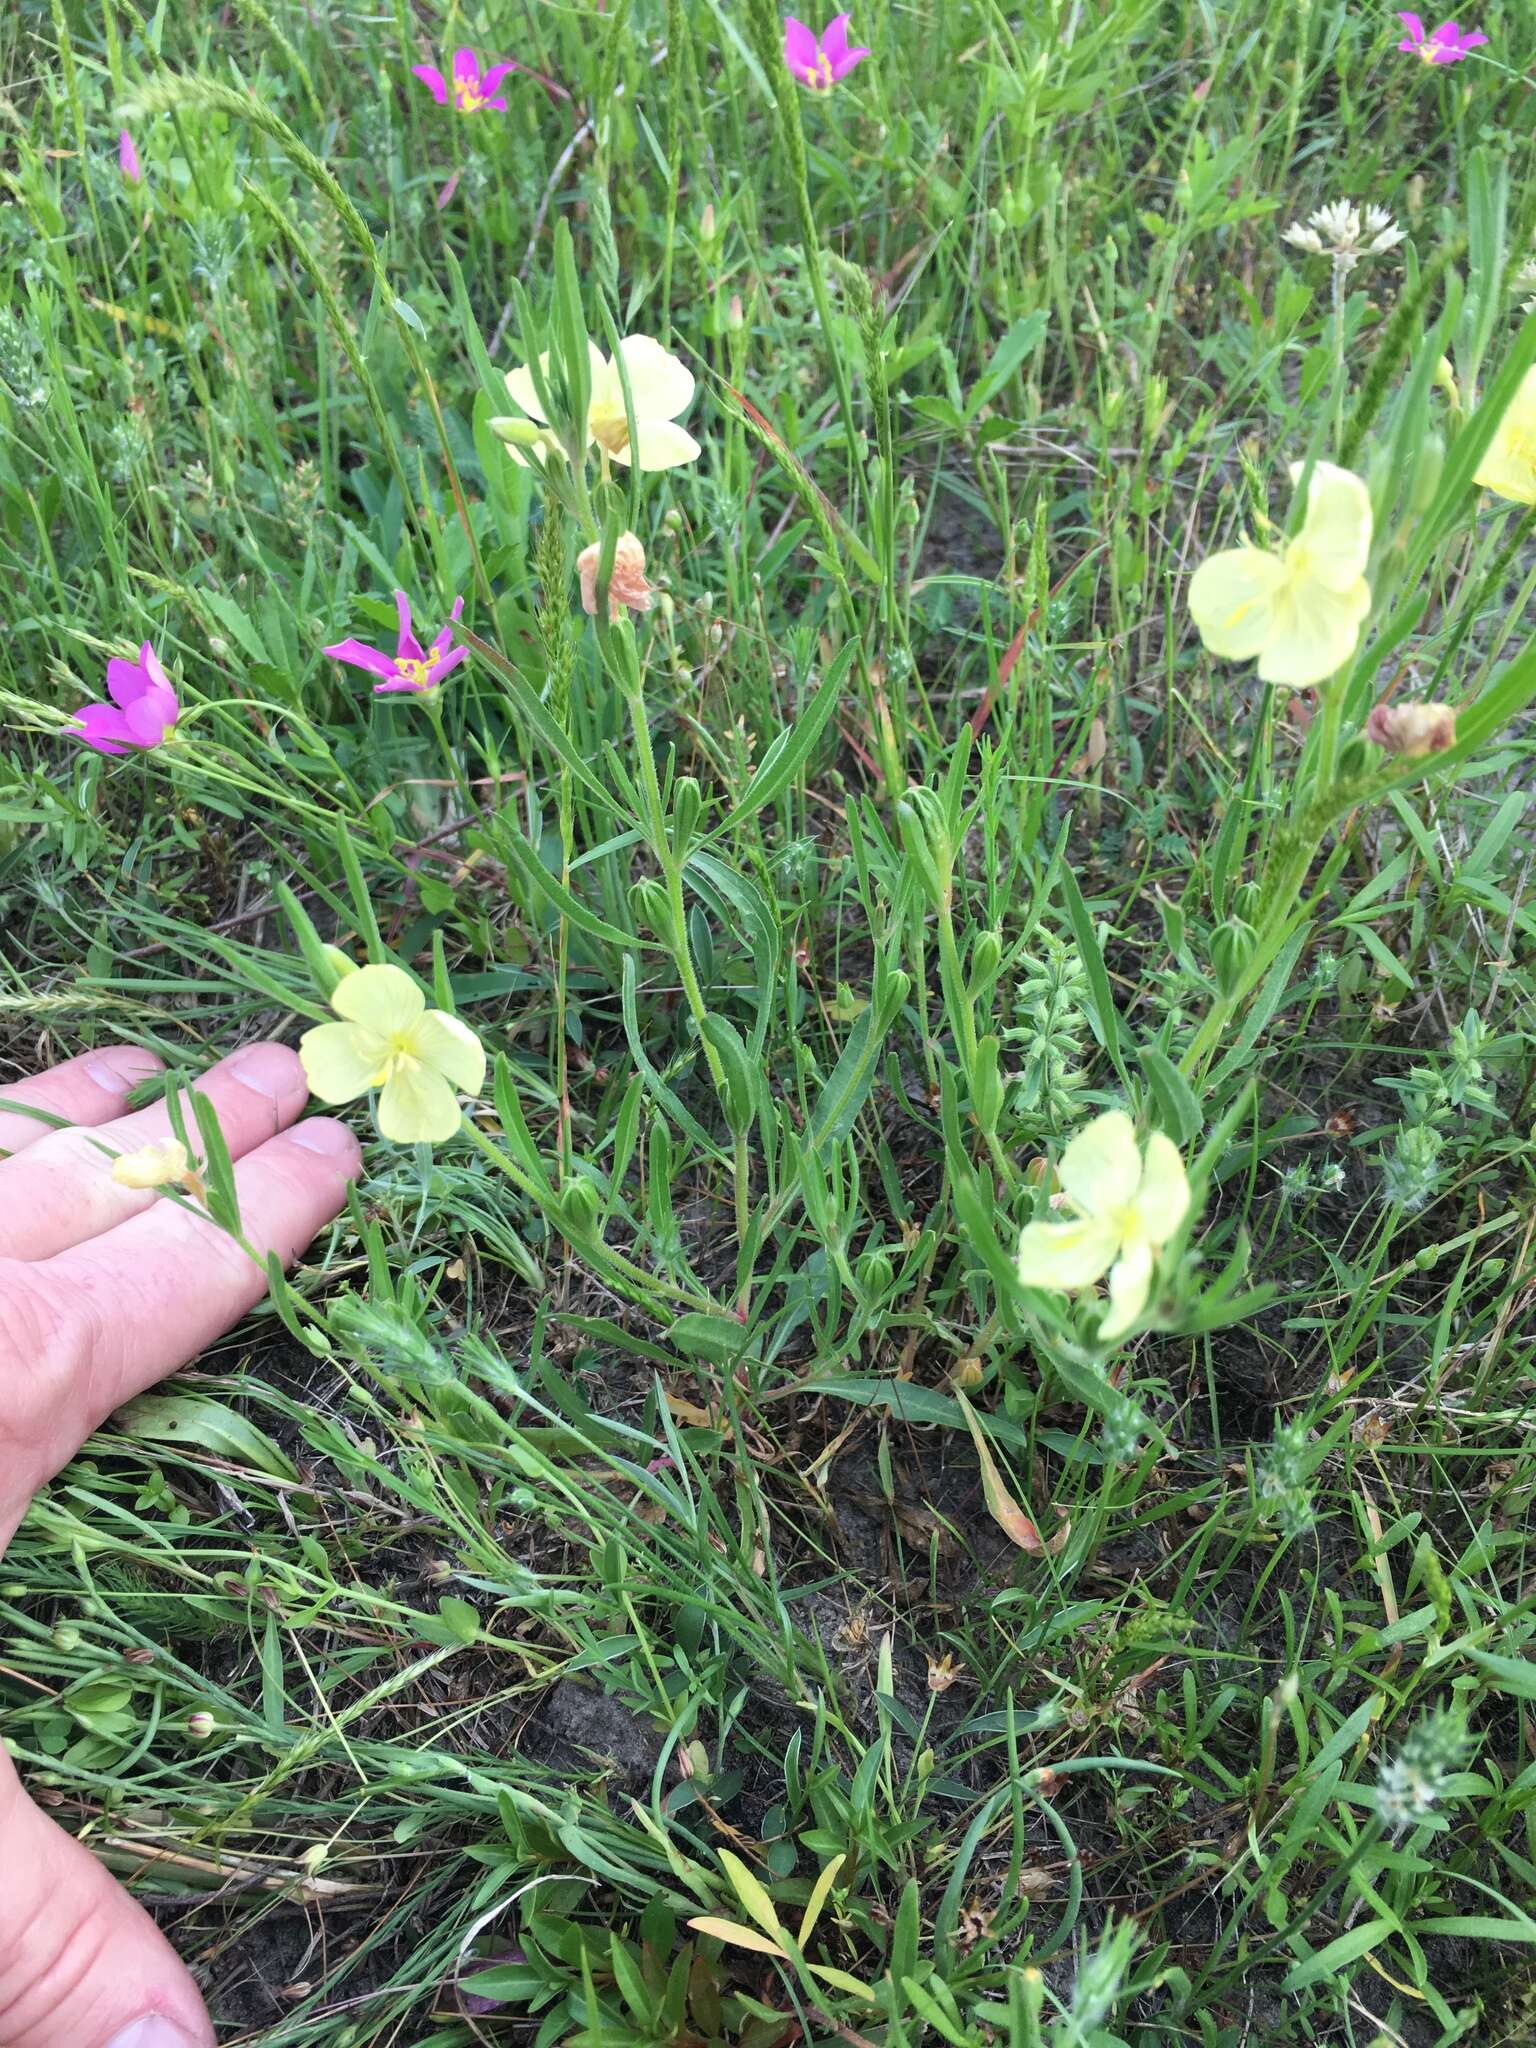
[105,1289]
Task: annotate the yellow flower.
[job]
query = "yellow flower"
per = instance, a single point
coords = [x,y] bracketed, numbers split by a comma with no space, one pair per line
[661,388]
[157,1166]
[1509,461]
[1299,611]
[1128,1206]
[391,1041]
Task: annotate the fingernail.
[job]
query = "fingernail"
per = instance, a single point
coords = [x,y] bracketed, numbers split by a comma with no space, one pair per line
[324,1135]
[153,2031]
[267,1069]
[122,1068]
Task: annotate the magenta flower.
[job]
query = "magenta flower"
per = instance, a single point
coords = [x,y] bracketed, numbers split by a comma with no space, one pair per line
[128,157]
[412,668]
[1448,45]
[143,711]
[820,61]
[471,91]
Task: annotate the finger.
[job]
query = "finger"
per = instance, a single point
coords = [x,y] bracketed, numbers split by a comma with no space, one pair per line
[81,1966]
[90,1089]
[61,1191]
[120,1311]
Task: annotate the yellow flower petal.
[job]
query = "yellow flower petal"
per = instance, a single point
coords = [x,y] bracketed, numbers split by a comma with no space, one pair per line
[1336,533]
[661,386]
[448,1045]
[1066,1256]
[1101,1167]
[520,386]
[1162,1201]
[384,999]
[1509,461]
[1230,600]
[662,446]
[416,1106]
[1130,1282]
[340,1061]
[1314,632]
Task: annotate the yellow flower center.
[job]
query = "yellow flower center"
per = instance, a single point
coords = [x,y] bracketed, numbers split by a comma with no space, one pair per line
[395,1054]
[466,97]
[818,74]
[609,428]
[417,675]
[1427,51]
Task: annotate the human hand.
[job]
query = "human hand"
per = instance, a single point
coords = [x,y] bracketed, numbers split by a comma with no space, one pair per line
[103,1290]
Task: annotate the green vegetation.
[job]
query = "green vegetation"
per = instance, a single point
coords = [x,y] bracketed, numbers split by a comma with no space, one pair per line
[661,1501]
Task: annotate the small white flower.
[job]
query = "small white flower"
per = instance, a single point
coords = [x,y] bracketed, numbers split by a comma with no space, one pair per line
[1341,231]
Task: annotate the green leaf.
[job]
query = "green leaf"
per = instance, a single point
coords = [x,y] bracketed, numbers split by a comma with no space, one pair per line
[1509,1674]
[461,1619]
[227,617]
[1326,1962]
[718,1340]
[1177,1105]
[1104,1016]
[792,748]
[188,1419]
[528,704]
[914,1404]
[1022,338]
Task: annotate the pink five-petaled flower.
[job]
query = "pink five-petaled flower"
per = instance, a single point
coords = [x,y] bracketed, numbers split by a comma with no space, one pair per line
[1447,45]
[143,711]
[128,157]
[820,61]
[412,668]
[470,89]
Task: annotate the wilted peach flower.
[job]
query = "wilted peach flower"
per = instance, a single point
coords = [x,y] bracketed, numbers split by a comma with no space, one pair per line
[626,584]
[1412,729]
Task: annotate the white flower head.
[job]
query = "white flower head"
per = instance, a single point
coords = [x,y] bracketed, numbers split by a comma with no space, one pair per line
[1342,231]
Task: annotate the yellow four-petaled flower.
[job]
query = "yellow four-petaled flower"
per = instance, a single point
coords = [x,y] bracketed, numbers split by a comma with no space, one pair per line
[1299,610]
[660,387]
[1509,462]
[389,1040]
[1128,1205]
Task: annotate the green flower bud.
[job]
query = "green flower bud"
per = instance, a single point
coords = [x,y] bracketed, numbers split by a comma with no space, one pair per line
[1426,474]
[874,1273]
[986,959]
[578,1210]
[1232,947]
[650,908]
[687,805]
[739,1095]
[519,433]
[925,834]
[987,1085]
